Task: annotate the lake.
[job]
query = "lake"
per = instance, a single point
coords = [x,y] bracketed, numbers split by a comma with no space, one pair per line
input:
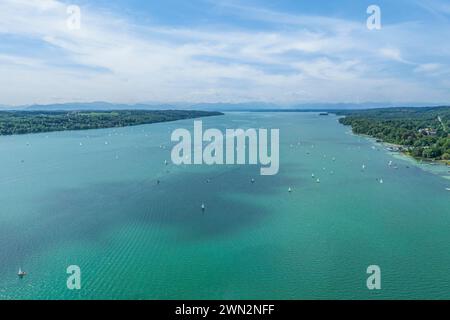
[91,198]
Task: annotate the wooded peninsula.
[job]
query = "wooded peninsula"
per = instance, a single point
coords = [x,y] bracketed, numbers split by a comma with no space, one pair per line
[23,122]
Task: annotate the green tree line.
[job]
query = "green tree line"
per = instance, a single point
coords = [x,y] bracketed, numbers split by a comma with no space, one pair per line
[23,122]
[424,132]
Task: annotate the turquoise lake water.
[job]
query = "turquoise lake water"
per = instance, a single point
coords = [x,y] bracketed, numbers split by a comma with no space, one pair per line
[90,198]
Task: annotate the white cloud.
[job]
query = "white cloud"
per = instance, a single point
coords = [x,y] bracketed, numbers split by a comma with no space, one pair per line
[112,59]
[436,70]
[393,54]
[437,7]
[428,67]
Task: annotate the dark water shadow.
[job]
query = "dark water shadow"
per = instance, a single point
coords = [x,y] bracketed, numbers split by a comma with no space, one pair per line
[91,212]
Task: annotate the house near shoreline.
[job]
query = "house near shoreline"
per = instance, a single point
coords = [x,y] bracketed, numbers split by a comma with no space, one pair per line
[427,132]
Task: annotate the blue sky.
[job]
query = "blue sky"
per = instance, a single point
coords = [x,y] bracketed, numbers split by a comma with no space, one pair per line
[277,51]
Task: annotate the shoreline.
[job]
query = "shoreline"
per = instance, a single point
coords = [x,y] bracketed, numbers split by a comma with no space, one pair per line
[387,146]
[392,146]
[15,123]
[414,132]
[424,164]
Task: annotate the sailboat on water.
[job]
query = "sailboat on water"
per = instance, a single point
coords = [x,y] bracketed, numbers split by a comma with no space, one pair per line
[21,273]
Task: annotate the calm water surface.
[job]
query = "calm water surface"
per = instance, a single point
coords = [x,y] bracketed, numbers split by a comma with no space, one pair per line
[90,198]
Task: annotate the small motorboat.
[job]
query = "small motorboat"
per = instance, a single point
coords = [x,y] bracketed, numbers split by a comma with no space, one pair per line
[318,180]
[290,190]
[252,181]
[448,189]
[203,207]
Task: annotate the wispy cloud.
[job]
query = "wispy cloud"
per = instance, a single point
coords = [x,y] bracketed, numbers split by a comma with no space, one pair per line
[114,59]
[438,8]
[393,54]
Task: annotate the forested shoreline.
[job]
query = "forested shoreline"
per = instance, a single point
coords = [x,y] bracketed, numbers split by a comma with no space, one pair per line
[24,122]
[422,132]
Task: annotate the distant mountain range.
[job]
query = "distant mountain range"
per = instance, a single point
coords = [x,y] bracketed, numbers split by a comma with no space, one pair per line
[100,105]
[226,107]
[95,106]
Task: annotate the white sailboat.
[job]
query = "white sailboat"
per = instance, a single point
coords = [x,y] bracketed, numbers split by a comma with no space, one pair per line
[21,273]
[203,207]
[290,190]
